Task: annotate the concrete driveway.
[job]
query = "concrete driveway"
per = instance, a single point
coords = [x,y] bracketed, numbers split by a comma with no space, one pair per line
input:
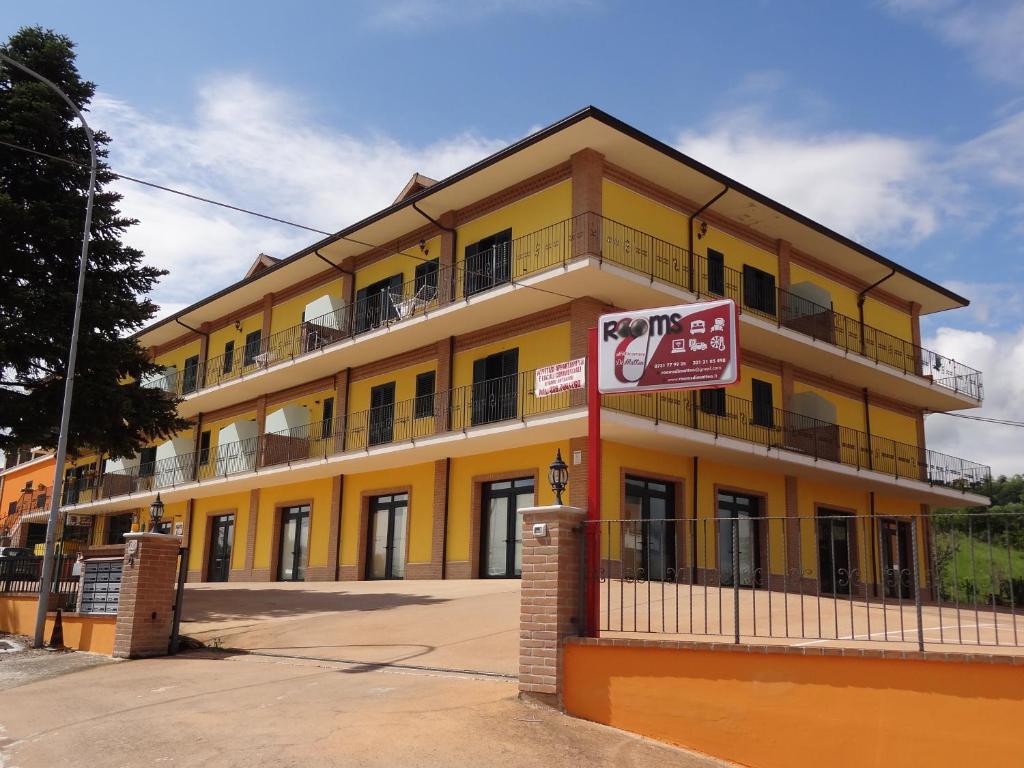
[210,709]
[470,625]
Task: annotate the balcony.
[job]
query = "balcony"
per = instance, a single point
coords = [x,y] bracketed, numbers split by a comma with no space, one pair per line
[775,319]
[428,423]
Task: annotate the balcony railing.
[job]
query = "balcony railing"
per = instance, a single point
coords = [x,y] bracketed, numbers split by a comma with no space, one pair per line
[512,397]
[735,417]
[560,243]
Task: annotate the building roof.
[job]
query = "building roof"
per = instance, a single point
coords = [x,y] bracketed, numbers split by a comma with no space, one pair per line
[622,145]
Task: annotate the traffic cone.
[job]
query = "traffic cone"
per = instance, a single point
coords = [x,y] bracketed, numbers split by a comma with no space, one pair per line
[57,636]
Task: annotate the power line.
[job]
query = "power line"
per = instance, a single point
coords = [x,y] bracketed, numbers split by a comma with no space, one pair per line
[987,420]
[268,217]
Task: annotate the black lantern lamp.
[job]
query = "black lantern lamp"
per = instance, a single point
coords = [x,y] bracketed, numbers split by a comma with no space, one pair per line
[156,512]
[558,476]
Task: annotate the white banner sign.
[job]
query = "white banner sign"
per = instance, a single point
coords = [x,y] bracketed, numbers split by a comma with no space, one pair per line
[689,346]
[560,377]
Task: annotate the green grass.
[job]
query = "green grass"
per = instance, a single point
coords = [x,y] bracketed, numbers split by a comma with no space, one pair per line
[990,566]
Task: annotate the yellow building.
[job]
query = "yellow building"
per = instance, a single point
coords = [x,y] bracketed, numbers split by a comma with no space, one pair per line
[365,408]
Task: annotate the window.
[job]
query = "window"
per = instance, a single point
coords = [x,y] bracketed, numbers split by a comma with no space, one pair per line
[41,501]
[252,347]
[147,462]
[426,279]
[425,384]
[716,273]
[117,527]
[204,447]
[713,401]
[764,412]
[327,426]
[191,375]
[374,306]
[488,263]
[229,357]
[758,290]
[12,508]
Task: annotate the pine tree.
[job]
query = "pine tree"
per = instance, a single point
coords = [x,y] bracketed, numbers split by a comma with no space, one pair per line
[42,211]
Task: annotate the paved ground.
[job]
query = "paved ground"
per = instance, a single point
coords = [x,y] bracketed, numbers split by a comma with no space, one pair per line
[470,624]
[21,664]
[209,709]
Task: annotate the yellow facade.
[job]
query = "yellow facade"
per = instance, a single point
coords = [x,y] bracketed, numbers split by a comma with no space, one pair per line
[432,448]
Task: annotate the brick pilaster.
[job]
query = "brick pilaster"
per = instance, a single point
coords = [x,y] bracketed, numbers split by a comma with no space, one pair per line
[145,609]
[341,379]
[787,385]
[915,336]
[784,250]
[334,527]
[583,315]
[578,473]
[446,259]
[587,201]
[252,523]
[268,315]
[793,553]
[443,383]
[550,598]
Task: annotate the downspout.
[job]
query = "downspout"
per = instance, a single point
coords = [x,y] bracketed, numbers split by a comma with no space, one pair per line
[867,428]
[201,373]
[689,227]
[331,263]
[455,246]
[860,307]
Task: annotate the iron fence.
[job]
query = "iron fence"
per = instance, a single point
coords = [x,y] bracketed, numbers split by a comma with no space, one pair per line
[22,574]
[826,578]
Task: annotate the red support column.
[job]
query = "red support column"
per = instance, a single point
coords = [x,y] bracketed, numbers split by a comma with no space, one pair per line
[592,526]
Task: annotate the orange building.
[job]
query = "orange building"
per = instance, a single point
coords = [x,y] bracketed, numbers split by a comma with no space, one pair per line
[25,490]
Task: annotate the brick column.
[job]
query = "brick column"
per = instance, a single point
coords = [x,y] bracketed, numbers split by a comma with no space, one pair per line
[443,383]
[446,260]
[146,606]
[550,598]
[783,249]
[268,314]
[587,200]
[583,315]
[252,523]
[915,337]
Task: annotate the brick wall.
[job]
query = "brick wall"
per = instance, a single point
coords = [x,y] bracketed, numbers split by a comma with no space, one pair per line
[550,599]
[146,605]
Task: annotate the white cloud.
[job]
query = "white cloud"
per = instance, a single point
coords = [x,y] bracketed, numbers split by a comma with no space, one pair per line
[990,32]
[1001,358]
[260,148]
[868,186]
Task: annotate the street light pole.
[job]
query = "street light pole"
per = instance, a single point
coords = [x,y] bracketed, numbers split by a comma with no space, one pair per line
[46,577]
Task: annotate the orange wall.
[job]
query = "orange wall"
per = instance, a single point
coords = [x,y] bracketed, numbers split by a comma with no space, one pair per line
[780,709]
[83,633]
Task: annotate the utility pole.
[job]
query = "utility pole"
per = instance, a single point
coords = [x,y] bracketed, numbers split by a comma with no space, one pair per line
[46,577]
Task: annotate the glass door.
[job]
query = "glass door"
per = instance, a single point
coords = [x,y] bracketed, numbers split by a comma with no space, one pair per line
[222,535]
[388,515]
[897,561]
[739,539]
[649,550]
[495,386]
[502,535]
[835,551]
[382,414]
[294,543]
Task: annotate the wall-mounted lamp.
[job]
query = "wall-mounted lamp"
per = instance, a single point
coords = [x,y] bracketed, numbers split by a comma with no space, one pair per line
[702,230]
[238,326]
[558,476]
[423,247]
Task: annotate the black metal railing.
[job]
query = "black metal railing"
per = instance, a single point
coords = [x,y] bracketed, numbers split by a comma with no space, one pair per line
[512,397]
[728,416]
[459,409]
[825,579]
[22,574]
[587,234]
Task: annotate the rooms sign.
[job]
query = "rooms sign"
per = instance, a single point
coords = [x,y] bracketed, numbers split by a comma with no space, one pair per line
[688,346]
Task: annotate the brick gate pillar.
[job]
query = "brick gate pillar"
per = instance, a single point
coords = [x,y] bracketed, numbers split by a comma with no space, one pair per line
[145,608]
[550,598]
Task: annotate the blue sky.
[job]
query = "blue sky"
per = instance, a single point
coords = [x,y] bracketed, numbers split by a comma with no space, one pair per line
[898,122]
